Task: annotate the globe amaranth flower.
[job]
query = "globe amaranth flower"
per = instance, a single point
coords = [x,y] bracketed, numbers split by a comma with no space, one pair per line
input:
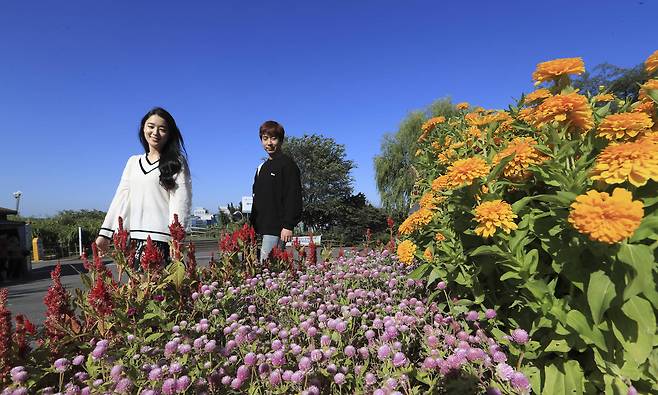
[569,109]
[624,125]
[606,218]
[416,221]
[493,215]
[651,64]
[520,336]
[406,251]
[635,162]
[464,171]
[524,155]
[552,69]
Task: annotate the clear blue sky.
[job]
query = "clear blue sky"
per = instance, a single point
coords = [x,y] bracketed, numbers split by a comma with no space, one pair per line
[76,77]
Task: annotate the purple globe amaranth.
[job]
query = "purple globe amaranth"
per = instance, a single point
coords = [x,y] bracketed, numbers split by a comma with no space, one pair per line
[490,314]
[250,359]
[383,352]
[182,383]
[304,363]
[124,386]
[399,359]
[61,364]
[339,378]
[275,377]
[520,381]
[520,336]
[504,371]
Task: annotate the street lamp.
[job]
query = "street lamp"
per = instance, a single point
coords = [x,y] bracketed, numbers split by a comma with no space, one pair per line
[17,196]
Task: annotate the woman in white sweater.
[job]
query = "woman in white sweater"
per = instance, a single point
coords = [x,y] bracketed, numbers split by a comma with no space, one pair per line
[154,186]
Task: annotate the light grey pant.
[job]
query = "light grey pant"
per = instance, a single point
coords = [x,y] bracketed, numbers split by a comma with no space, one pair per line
[269,242]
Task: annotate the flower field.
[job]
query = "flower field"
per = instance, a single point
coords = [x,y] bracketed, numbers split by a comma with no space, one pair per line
[548,213]
[354,324]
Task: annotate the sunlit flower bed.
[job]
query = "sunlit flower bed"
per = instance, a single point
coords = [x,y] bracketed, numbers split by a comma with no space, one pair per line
[349,325]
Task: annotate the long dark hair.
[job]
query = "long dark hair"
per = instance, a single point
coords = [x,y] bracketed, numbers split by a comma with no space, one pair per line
[173,156]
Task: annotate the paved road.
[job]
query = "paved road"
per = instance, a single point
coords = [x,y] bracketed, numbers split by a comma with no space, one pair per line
[26,295]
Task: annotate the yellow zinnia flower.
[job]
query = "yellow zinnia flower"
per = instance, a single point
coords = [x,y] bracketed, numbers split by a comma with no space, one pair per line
[554,68]
[462,106]
[635,162]
[603,97]
[571,108]
[406,251]
[646,87]
[605,218]
[651,64]
[525,155]
[493,215]
[427,200]
[650,138]
[440,183]
[464,171]
[428,255]
[624,125]
[537,95]
[415,221]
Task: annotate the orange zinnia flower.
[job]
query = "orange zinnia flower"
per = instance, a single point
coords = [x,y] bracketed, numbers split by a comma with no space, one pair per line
[646,107]
[624,125]
[554,68]
[415,221]
[651,64]
[432,122]
[440,183]
[493,215]
[537,95]
[603,97]
[406,251]
[462,106]
[635,162]
[428,254]
[465,171]
[646,87]
[439,236]
[605,218]
[525,155]
[571,108]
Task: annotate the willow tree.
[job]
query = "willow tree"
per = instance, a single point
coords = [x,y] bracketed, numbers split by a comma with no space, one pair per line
[394,171]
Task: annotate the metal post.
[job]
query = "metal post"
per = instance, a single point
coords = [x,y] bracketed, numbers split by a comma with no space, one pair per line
[80,238]
[18,195]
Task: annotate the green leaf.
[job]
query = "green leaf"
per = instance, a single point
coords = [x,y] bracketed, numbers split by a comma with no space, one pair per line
[578,321]
[420,271]
[640,258]
[558,345]
[563,378]
[640,311]
[509,275]
[648,227]
[487,250]
[600,292]
[653,94]
[153,337]
[434,275]
[521,203]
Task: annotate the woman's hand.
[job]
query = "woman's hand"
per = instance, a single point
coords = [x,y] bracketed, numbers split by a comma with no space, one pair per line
[103,245]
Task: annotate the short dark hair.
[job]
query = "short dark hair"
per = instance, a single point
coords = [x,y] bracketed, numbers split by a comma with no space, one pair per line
[272,129]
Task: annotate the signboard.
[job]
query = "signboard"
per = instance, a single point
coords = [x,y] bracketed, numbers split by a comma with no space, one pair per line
[305,240]
[247,203]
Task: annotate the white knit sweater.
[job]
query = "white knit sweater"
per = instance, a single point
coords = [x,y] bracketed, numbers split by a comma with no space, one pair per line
[146,207]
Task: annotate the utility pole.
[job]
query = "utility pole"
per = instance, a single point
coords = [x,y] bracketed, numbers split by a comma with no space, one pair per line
[17,196]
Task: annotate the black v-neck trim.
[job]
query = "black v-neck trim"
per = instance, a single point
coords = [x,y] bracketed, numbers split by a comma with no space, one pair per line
[142,167]
[149,162]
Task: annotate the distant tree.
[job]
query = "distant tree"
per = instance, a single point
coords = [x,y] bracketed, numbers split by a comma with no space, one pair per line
[622,82]
[358,216]
[394,171]
[325,177]
[60,232]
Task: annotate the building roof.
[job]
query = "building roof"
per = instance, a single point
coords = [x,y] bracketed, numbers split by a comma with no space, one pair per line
[4,212]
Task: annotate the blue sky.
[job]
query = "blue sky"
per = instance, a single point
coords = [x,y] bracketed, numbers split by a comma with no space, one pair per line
[77,76]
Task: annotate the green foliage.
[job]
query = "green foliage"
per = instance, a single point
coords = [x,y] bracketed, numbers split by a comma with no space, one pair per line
[394,166]
[358,215]
[62,228]
[325,176]
[623,83]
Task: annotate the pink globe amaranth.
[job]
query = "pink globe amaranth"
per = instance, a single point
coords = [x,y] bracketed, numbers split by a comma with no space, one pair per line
[399,359]
[520,336]
[316,355]
[19,391]
[61,364]
[504,371]
[155,374]
[226,380]
[183,383]
[339,378]
[236,383]
[490,314]
[350,351]
[341,326]
[210,346]
[442,285]
[499,356]
[472,316]
[275,377]
[632,390]
[520,381]
[169,386]
[383,352]
[243,372]
[250,359]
